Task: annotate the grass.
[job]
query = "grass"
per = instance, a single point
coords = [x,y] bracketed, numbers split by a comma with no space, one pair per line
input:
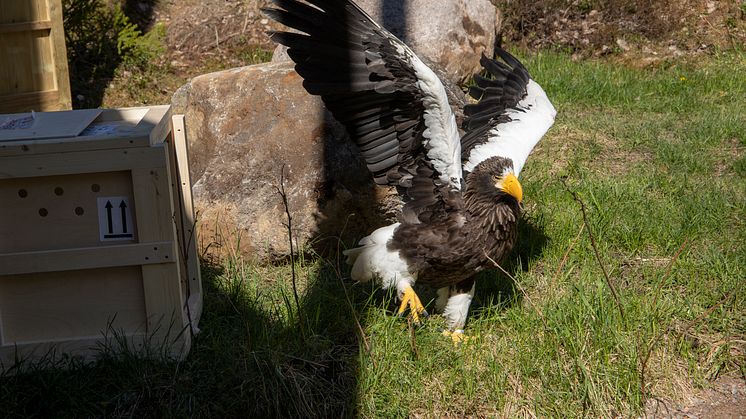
[154,82]
[657,157]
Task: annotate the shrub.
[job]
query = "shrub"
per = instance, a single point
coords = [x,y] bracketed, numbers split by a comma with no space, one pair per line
[100,37]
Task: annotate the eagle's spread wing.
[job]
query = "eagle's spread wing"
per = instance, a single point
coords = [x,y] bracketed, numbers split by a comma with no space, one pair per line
[393,106]
[512,114]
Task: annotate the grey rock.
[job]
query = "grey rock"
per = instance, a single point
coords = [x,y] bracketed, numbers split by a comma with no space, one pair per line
[247,127]
[449,34]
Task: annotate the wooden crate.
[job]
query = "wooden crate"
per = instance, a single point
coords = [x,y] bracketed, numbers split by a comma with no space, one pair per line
[33,59]
[96,233]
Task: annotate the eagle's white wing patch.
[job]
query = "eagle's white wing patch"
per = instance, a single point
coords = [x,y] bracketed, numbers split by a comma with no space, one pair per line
[443,141]
[530,120]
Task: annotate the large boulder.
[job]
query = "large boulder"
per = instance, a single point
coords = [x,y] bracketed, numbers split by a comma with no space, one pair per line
[449,35]
[251,128]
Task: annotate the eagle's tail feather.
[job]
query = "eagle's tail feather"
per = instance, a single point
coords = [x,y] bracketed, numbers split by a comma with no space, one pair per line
[360,259]
[374,259]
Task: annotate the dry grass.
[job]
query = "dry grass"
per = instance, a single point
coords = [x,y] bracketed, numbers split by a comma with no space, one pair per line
[658,28]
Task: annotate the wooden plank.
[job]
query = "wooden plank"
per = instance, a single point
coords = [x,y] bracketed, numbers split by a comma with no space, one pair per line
[155,210]
[5,80]
[158,122]
[25,101]
[48,124]
[68,145]
[38,25]
[188,219]
[16,54]
[132,116]
[88,347]
[163,301]
[17,11]
[63,305]
[81,162]
[59,56]
[87,258]
[152,194]
[44,74]
[70,210]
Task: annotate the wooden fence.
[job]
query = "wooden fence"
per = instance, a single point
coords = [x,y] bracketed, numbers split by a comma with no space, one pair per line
[33,60]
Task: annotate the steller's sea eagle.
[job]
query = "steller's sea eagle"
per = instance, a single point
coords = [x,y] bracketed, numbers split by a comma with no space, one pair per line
[461,195]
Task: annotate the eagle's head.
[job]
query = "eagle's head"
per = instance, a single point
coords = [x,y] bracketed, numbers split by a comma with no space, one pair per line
[493,181]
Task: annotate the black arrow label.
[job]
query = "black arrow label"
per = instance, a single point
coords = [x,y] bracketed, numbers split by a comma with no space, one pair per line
[108,215]
[110,228]
[123,207]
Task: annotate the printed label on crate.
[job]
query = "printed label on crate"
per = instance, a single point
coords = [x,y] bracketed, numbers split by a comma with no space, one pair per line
[115,218]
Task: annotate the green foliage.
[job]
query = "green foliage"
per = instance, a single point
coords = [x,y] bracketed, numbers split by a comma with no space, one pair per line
[99,38]
[128,34]
[134,47]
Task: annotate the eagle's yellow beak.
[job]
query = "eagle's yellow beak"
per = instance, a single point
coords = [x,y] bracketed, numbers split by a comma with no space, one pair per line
[511,186]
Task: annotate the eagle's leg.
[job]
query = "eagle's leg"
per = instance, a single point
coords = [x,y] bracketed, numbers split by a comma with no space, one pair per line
[409,299]
[454,302]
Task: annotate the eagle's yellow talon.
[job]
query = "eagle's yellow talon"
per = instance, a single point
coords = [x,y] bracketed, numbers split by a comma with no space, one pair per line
[457,336]
[411,300]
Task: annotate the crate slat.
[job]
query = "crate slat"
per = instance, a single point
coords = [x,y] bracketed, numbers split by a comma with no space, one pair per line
[87,258]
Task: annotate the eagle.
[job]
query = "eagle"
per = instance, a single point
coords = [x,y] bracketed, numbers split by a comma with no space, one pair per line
[461,195]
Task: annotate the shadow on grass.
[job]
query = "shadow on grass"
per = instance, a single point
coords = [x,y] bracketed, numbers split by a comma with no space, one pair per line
[250,360]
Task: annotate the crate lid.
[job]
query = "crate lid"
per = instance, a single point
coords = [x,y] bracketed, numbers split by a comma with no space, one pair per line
[87,128]
[41,125]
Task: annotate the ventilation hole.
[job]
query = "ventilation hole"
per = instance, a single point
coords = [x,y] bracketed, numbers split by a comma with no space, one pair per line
[79,211]
[22,193]
[166,256]
[155,248]
[147,258]
[59,191]
[95,187]
[43,212]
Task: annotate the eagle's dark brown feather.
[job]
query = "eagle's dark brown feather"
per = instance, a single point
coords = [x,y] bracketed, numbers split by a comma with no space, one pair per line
[451,247]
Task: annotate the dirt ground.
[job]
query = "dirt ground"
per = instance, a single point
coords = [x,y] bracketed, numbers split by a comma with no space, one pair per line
[199,30]
[725,398]
[213,28]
